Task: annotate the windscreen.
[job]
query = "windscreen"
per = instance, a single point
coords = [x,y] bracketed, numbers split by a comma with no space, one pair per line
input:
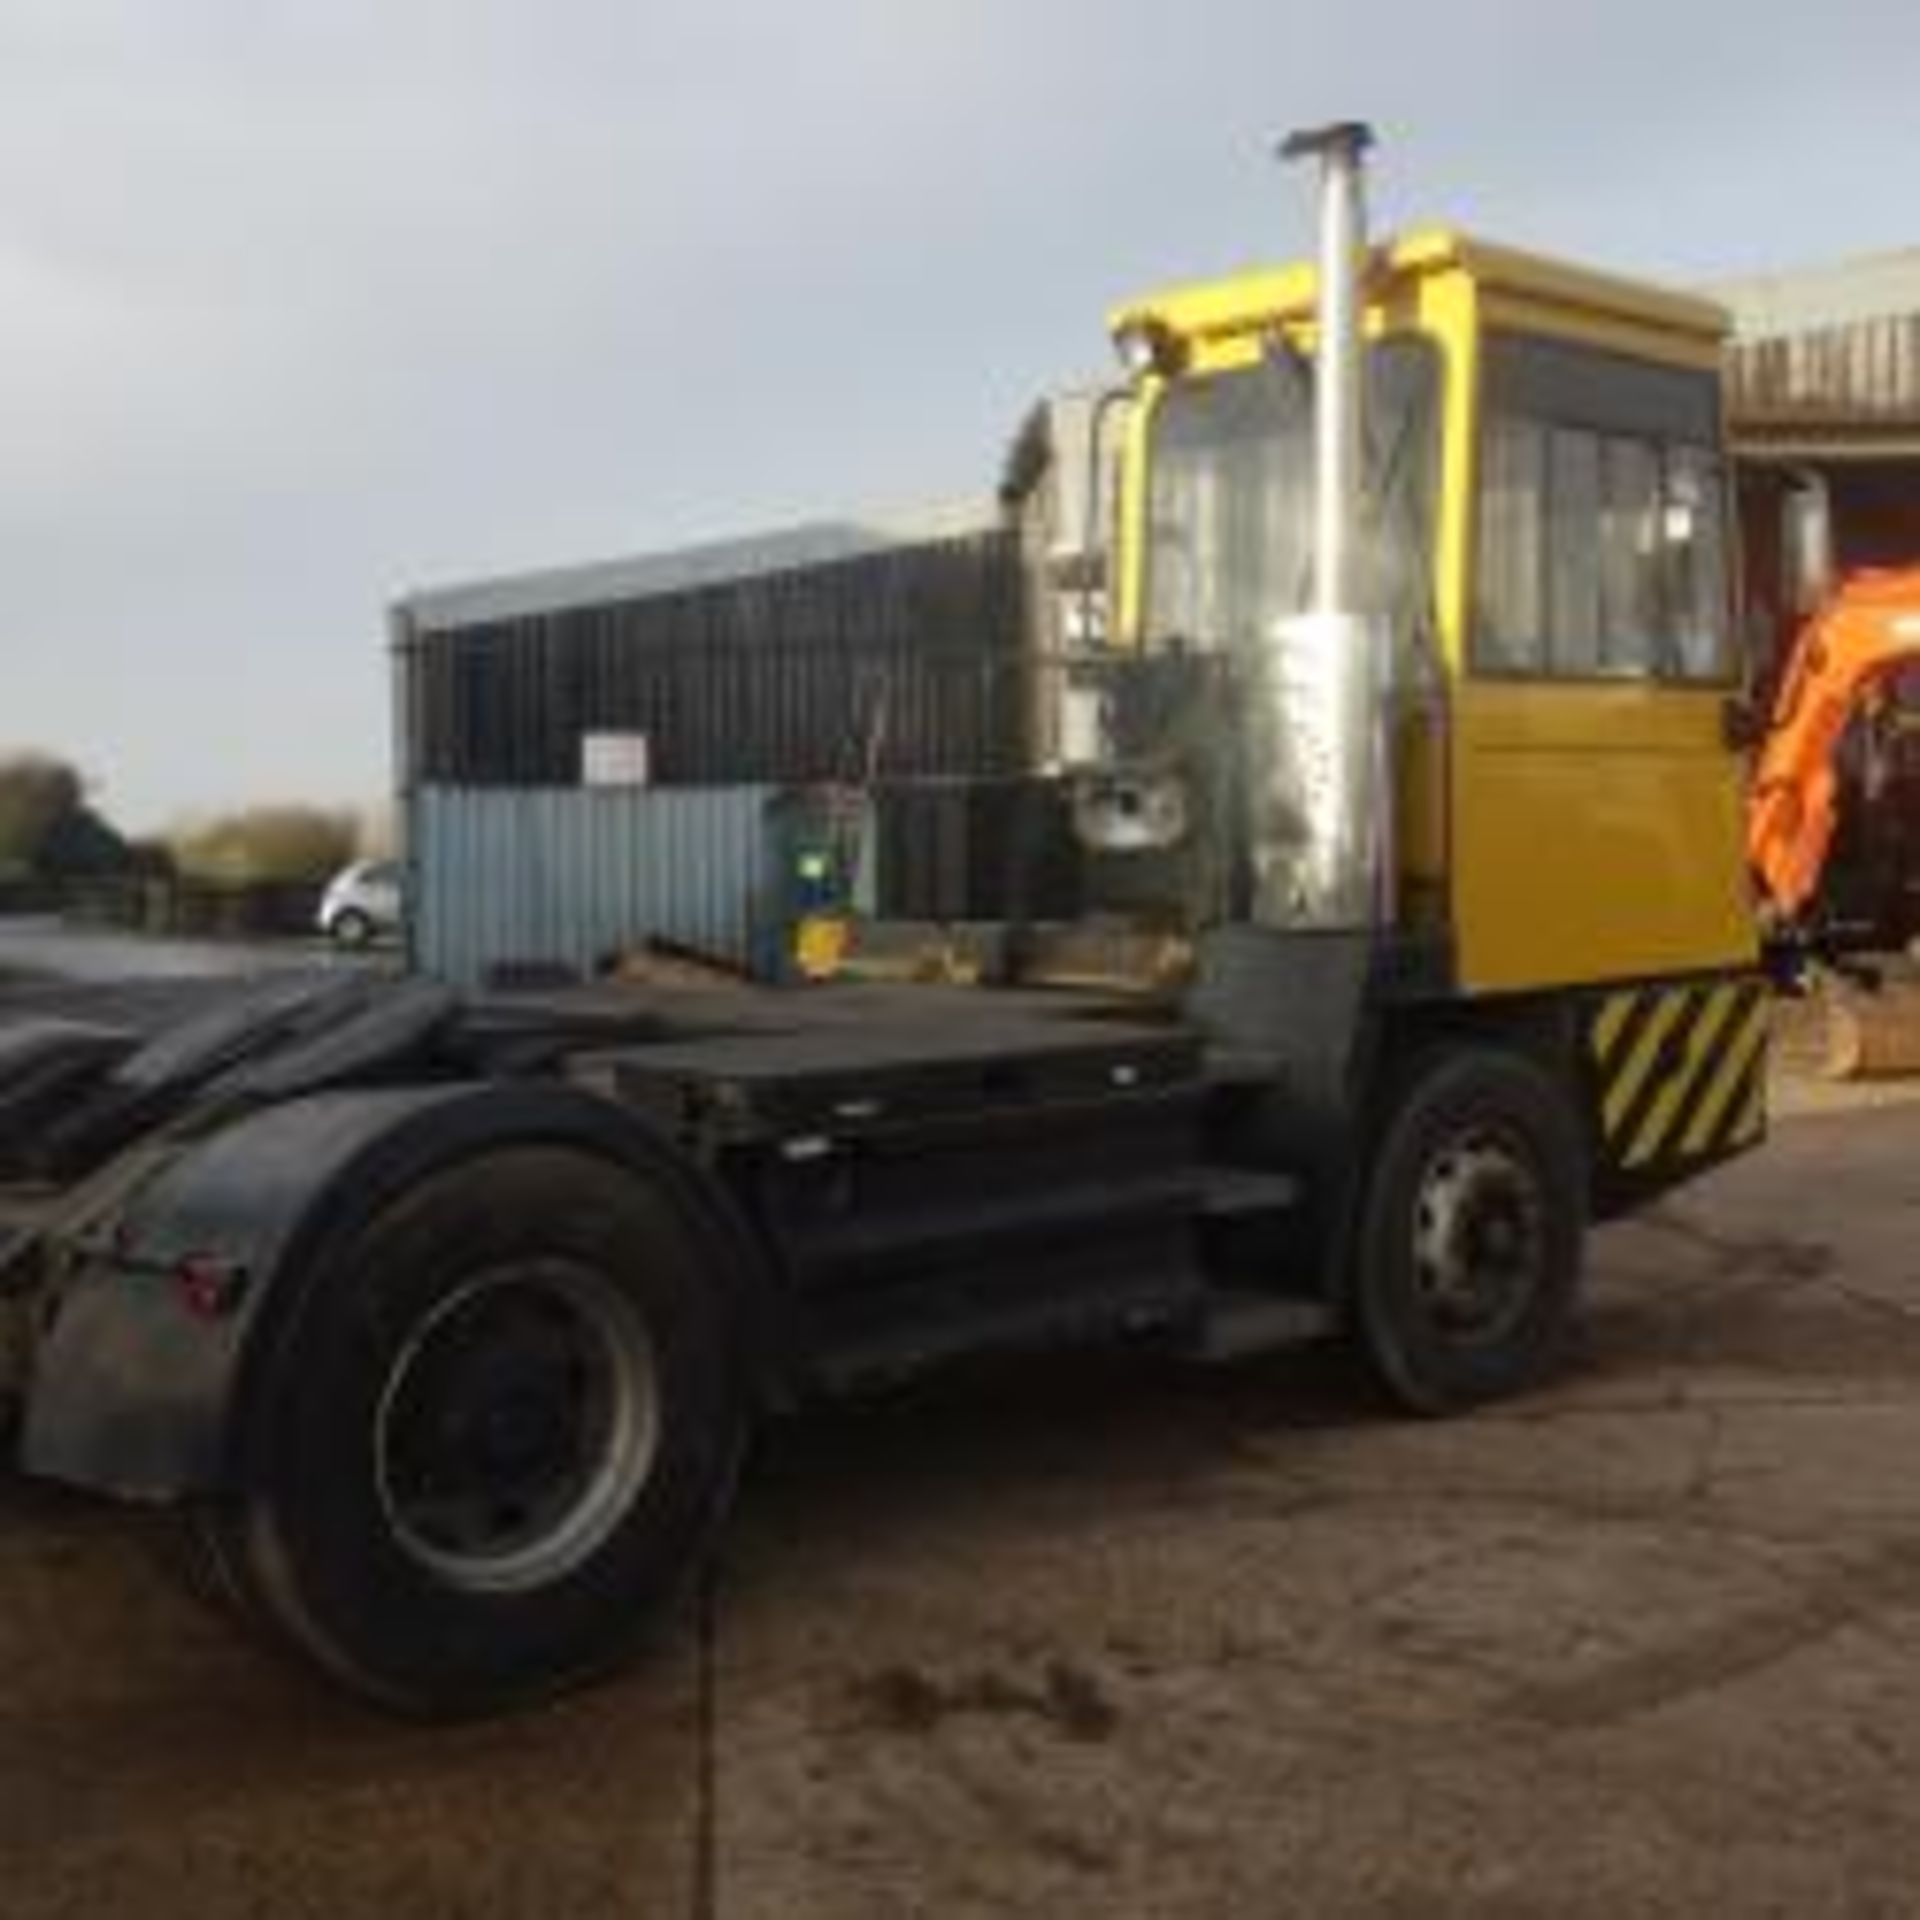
[1230,498]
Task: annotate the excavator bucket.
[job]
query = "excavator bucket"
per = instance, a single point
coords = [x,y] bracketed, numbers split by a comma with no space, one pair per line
[1866,1030]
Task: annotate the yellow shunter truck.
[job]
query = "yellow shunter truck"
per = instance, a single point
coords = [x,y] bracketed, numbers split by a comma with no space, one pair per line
[442,1324]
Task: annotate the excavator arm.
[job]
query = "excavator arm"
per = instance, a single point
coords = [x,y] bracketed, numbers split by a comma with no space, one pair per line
[1869,630]
[1860,1024]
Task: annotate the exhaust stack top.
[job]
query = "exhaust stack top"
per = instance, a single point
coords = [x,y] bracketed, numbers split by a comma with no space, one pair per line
[1320,779]
[1341,151]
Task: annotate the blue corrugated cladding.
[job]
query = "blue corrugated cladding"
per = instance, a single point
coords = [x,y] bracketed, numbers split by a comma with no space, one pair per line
[568,876]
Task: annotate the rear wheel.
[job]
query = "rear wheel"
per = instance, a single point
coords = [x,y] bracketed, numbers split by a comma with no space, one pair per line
[499,1435]
[1471,1236]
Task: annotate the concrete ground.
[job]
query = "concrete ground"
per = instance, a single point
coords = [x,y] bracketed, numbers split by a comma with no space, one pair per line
[1111,1636]
[1108,1635]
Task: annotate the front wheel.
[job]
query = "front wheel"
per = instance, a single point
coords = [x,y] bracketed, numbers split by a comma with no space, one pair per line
[352,930]
[500,1433]
[1472,1229]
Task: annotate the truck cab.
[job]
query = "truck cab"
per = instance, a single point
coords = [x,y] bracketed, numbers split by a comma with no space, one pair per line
[1554,795]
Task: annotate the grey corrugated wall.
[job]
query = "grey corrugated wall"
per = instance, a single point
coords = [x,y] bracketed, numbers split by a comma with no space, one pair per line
[569,875]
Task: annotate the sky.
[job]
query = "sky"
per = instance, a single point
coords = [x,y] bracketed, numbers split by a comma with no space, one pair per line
[305,303]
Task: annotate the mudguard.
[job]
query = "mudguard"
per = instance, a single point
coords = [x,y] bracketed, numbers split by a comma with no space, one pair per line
[144,1386]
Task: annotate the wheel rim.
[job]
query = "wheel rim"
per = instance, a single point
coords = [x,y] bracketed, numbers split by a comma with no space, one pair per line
[518,1423]
[1480,1247]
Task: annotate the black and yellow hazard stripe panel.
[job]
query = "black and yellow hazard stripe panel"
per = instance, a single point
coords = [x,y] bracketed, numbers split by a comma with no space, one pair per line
[1680,1071]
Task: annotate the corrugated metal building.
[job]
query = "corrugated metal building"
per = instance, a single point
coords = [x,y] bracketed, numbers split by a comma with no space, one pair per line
[1827,360]
[1823,375]
[836,651]
[892,652]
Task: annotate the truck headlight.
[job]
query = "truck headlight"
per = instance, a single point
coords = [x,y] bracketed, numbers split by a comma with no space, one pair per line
[1130,813]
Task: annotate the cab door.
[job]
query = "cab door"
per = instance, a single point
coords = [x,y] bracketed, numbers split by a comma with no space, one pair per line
[1596,805]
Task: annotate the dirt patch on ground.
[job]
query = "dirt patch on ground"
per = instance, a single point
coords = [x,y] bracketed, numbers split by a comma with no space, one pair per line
[1068,1698]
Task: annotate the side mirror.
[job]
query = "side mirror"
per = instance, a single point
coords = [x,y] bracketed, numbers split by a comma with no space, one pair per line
[1806,542]
[1077,568]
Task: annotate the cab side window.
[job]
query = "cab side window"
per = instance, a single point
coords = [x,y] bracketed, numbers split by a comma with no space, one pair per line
[1602,518]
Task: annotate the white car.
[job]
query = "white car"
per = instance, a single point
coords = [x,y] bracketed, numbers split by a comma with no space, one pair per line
[361,903]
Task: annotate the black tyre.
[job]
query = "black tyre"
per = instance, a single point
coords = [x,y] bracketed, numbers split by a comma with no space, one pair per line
[497,1438]
[351,929]
[1472,1231]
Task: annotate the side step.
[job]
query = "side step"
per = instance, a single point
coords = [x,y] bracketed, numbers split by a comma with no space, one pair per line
[1234,1193]
[1155,1299]
[1237,1323]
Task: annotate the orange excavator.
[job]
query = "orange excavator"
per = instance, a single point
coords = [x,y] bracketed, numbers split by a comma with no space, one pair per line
[1838,671]
[1840,675]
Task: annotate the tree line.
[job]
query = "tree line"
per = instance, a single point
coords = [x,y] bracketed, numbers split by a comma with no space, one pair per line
[51,833]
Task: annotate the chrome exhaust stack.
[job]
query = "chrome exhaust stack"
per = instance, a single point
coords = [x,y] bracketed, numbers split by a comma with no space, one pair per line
[1320,796]
[1341,151]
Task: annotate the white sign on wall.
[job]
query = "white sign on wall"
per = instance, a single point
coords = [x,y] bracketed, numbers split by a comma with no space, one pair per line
[614,760]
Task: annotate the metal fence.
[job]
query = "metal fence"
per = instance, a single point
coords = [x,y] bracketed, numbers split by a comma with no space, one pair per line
[509,877]
[901,662]
[178,907]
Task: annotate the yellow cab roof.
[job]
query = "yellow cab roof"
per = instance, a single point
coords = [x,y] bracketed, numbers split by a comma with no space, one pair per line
[1245,301]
